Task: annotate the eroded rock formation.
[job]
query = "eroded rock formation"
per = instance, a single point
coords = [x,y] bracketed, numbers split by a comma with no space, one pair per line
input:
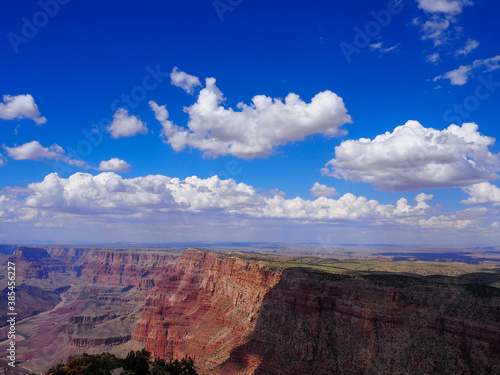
[239,315]
[317,323]
[207,306]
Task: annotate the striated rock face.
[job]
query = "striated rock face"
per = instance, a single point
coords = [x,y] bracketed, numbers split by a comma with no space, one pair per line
[236,315]
[127,268]
[118,266]
[36,263]
[206,307]
[93,342]
[72,255]
[316,323]
[81,300]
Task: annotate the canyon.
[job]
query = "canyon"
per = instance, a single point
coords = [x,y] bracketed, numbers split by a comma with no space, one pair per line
[246,313]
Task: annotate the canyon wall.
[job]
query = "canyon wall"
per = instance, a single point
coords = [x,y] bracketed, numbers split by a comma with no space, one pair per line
[317,323]
[239,316]
[36,263]
[207,307]
[235,315]
[127,268]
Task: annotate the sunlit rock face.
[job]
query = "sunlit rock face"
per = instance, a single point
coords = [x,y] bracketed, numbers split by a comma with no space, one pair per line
[207,307]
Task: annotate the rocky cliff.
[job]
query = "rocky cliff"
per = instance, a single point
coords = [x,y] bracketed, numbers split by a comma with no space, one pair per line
[264,315]
[127,267]
[36,263]
[312,322]
[117,266]
[207,306]
[240,316]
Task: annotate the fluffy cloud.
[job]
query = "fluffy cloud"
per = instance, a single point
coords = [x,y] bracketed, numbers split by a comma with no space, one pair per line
[319,190]
[110,195]
[19,107]
[457,76]
[161,114]
[461,75]
[35,151]
[114,165]
[185,81]
[158,206]
[253,130]
[452,7]
[106,193]
[445,222]
[481,193]
[415,157]
[125,125]
[458,221]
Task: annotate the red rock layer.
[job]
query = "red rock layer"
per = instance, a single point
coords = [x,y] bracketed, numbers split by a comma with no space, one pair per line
[238,316]
[205,308]
[36,263]
[127,268]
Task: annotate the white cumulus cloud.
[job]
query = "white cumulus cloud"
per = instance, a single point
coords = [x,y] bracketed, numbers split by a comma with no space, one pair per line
[319,190]
[482,193]
[185,81]
[253,130]
[109,195]
[114,165]
[461,75]
[125,125]
[35,151]
[415,157]
[458,76]
[157,205]
[445,222]
[19,107]
[161,114]
[452,7]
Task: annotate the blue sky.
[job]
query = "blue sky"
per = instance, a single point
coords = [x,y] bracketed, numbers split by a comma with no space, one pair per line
[351,127]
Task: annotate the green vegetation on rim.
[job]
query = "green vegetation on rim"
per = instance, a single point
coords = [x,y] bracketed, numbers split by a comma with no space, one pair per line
[135,363]
[436,272]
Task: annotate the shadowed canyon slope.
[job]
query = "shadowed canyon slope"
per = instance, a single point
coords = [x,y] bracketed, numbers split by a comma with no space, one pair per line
[262,315]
